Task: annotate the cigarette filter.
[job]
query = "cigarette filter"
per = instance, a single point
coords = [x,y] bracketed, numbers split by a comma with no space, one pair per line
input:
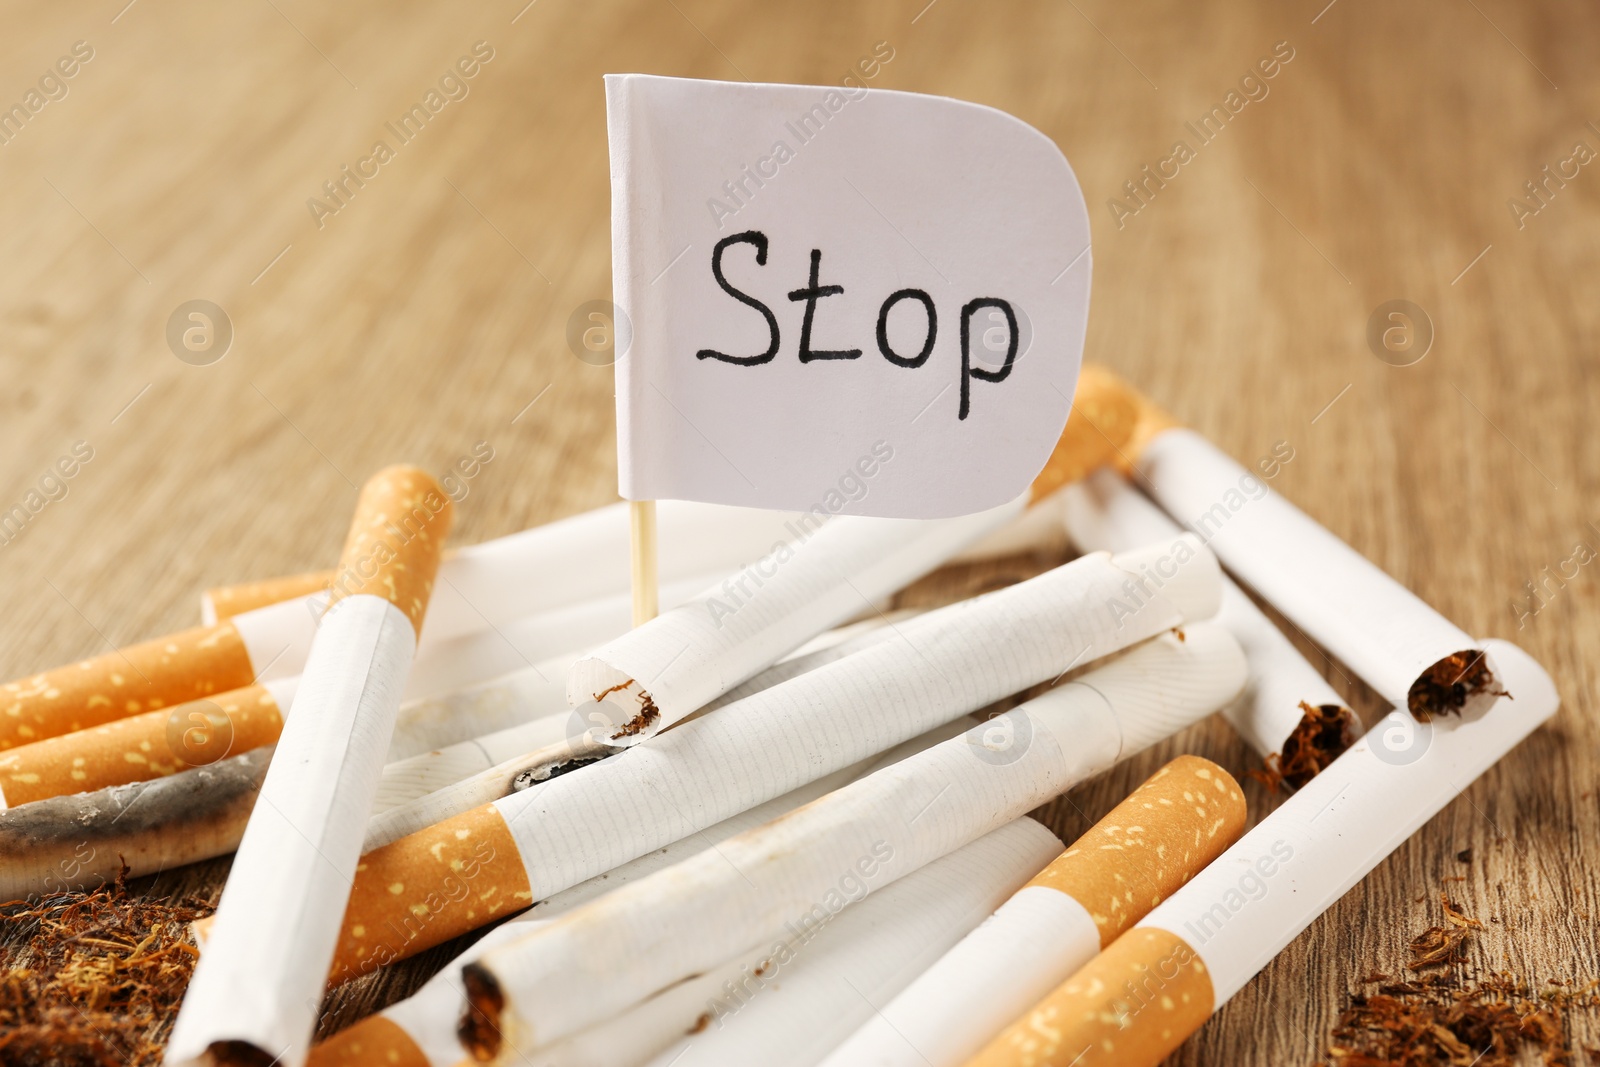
[1141,852]
[1288,711]
[151,745]
[615,952]
[227,601]
[191,665]
[812,987]
[1158,983]
[941,666]
[1399,645]
[656,674]
[255,995]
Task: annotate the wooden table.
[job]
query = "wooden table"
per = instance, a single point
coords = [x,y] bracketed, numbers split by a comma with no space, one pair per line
[429,313]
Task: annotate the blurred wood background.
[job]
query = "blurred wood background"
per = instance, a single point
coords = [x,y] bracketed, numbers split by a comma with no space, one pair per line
[430,312]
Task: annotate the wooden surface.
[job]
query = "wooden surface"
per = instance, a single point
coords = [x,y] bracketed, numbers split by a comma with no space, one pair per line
[430,313]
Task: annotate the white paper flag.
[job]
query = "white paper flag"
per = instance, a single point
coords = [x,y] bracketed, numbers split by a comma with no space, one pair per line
[864,301]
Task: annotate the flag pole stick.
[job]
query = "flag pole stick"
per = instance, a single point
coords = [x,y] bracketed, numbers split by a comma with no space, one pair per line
[642,542]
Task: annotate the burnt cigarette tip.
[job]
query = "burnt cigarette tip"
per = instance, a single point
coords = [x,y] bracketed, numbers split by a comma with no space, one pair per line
[479,1028]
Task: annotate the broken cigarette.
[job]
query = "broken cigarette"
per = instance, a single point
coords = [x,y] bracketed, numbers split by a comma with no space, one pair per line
[424,1025]
[1288,712]
[1145,848]
[1155,985]
[615,952]
[654,675]
[810,987]
[255,995]
[938,667]
[1382,631]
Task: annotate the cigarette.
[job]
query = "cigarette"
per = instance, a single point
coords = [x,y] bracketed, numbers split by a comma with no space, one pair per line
[1147,847]
[142,747]
[657,932]
[808,990]
[1404,649]
[654,675]
[73,842]
[1159,982]
[943,665]
[424,1025]
[255,995]
[1288,712]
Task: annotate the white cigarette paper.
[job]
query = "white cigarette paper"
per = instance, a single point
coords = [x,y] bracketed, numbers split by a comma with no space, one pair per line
[1105,513]
[1378,628]
[610,955]
[658,673]
[815,988]
[258,991]
[943,665]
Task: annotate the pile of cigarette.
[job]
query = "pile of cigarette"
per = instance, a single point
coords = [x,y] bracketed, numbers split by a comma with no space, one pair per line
[769,826]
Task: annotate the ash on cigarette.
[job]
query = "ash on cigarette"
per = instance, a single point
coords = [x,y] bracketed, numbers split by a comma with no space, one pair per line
[1449,685]
[1443,1016]
[93,979]
[1325,731]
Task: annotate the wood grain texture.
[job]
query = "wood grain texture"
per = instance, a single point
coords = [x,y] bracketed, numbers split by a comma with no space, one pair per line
[430,312]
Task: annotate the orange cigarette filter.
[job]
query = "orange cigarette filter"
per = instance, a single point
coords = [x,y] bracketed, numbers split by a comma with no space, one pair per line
[1132,1004]
[1105,411]
[424,889]
[373,1042]
[395,542]
[180,667]
[1177,822]
[141,747]
[226,601]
